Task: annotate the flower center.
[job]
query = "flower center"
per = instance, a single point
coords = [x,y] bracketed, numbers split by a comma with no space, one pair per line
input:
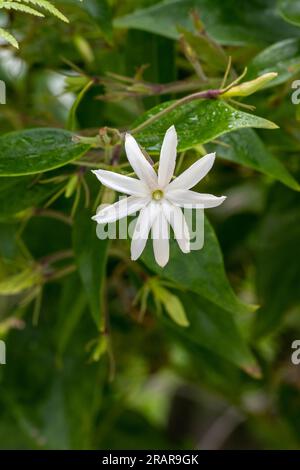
[157,195]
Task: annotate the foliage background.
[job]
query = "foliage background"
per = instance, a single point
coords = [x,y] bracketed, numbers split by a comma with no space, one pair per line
[84,368]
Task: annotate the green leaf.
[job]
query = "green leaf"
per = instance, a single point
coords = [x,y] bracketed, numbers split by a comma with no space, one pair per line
[9,38]
[200,271]
[246,148]
[290,11]
[21,193]
[207,51]
[36,150]
[282,57]
[256,22]
[90,255]
[48,6]
[196,123]
[213,328]
[70,308]
[101,14]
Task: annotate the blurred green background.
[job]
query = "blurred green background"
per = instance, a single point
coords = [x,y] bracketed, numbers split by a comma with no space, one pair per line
[93,360]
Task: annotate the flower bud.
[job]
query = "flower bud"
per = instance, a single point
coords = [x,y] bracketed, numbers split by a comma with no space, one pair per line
[248,88]
[71,186]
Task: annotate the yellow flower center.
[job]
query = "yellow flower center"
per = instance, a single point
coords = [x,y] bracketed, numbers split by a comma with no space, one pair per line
[157,195]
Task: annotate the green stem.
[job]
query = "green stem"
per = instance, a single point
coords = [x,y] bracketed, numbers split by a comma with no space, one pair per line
[61,273]
[53,214]
[103,166]
[57,256]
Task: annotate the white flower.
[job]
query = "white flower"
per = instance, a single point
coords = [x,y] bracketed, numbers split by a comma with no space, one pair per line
[158,198]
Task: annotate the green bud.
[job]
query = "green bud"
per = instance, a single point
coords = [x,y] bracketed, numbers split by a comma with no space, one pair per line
[171,303]
[71,186]
[100,348]
[248,88]
[84,48]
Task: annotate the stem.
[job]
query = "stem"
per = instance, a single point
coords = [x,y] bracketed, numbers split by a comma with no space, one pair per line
[37,308]
[54,197]
[204,95]
[176,87]
[130,86]
[98,165]
[61,273]
[86,192]
[57,256]
[179,164]
[53,214]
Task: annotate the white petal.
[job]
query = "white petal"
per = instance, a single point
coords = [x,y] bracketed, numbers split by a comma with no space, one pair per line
[121,183]
[142,229]
[194,173]
[191,199]
[178,223]
[142,168]
[160,236]
[167,157]
[120,209]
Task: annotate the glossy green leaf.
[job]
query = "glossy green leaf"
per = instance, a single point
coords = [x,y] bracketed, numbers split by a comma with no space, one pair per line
[213,328]
[90,255]
[290,10]
[282,57]
[256,22]
[201,271]
[196,123]
[36,150]
[21,193]
[246,148]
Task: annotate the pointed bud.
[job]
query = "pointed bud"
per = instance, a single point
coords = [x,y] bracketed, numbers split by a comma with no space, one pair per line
[71,186]
[248,88]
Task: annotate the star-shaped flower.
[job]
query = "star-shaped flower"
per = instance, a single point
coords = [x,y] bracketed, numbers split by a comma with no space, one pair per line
[158,197]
